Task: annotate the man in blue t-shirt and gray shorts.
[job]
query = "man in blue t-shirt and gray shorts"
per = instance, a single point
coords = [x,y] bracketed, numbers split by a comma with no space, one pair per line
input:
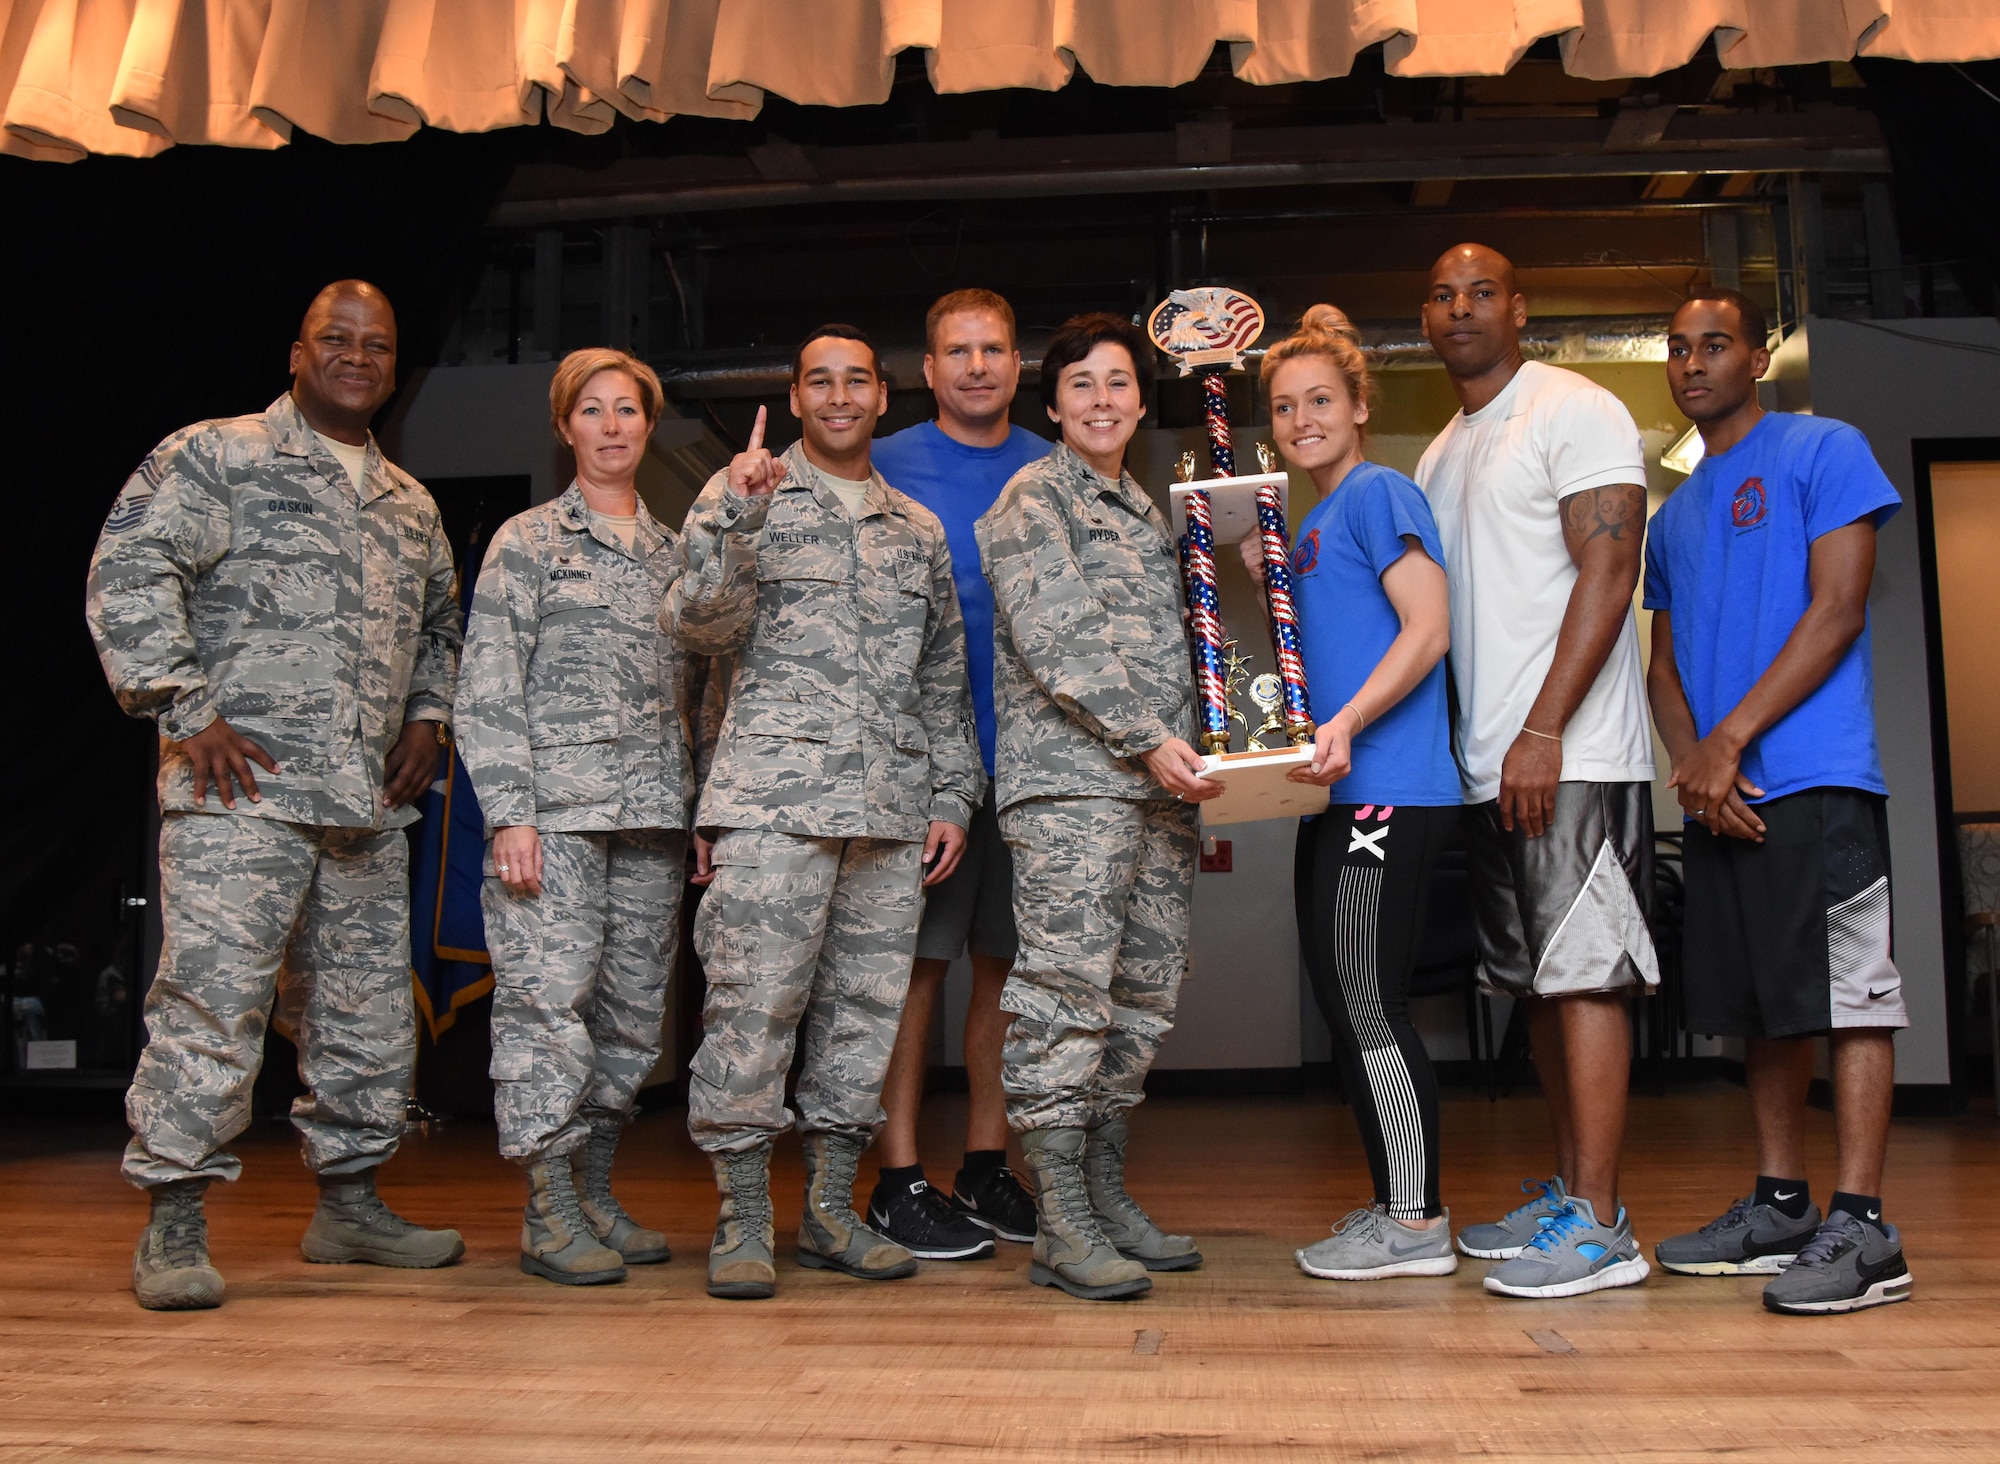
[956,466]
[1762,685]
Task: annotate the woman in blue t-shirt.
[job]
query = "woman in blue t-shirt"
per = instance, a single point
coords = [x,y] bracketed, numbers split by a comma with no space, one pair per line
[1368,581]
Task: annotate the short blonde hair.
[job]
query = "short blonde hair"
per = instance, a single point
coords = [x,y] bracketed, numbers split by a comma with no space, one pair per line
[1326,331]
[579,366]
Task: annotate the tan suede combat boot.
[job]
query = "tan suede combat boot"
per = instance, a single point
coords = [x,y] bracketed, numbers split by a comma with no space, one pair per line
[1118,1215]
[556,1242]
[1071,1253]
[831,1235]
[170,1269]
[352,1224]
[739,1258]
[608,1220]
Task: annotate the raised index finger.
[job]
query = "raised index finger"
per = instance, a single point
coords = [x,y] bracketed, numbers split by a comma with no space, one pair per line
[757,432]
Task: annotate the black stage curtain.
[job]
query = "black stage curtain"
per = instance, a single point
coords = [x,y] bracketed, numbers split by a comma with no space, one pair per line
[140,296]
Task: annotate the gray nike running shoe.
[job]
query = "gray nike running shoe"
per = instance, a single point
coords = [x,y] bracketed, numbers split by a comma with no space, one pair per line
[1846,1266]
[1505,1238]
[1748,1240]
[1369,1246]
[1572,1254]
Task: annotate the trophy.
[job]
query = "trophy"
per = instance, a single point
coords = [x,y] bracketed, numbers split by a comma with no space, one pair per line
[1207,329]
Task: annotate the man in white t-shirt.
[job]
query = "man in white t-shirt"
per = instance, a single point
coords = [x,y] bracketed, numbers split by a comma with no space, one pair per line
[1538,486]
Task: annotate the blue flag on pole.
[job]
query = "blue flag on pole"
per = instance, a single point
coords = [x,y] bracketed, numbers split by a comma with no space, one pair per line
[447,931]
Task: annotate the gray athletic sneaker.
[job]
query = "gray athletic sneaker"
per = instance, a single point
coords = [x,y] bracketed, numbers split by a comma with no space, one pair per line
[1846,1266]
[1748,1240]
[1368,1245]
[1504,1239]
[1572,1254]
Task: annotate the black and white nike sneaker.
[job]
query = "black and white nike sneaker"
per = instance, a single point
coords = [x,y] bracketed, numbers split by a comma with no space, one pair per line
[1748,1239]
[998,1201]
[924,1223]
[1846,1266]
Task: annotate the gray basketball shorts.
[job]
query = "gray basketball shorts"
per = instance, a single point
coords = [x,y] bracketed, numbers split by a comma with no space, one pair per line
[974,909]
[1564,914]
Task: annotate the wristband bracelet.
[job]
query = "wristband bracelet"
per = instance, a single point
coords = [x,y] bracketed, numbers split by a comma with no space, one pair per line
[1545,736]
[1359,720]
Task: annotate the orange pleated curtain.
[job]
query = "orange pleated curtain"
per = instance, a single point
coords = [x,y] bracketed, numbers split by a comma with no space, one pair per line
[132,77]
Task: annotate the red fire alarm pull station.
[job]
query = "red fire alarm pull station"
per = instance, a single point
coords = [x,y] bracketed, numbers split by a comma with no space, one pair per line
[1218,856]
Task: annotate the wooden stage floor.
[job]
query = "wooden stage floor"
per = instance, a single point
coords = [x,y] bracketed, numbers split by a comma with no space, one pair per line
[1243,1360]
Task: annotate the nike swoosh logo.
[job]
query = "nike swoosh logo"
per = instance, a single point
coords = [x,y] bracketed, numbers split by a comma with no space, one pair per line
[1874,1214]
[1889,1265]
[1408,1250]
[1781,1195]
[1874,995]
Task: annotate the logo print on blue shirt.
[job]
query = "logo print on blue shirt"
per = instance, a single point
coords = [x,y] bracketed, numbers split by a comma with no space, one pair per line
[1748,507]
[1306,555]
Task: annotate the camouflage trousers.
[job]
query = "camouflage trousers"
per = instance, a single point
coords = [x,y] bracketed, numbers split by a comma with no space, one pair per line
[1102,888]
[797,927]
[252,911]
[580,983]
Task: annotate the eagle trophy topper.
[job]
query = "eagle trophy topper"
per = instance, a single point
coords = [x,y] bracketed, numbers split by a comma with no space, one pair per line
[1210,325]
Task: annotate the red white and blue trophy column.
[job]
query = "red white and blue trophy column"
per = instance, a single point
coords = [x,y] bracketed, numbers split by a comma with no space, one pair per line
[1207,330]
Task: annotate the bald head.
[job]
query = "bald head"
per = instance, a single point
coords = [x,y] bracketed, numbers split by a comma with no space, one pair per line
[1472,316]
[344,361]
[339,291]
[1476,262]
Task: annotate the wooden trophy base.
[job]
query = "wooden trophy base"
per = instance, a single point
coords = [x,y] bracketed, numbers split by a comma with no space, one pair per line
[1255,787]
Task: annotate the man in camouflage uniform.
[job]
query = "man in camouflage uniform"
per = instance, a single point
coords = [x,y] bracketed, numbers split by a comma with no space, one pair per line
[271,590]
[569,718]
[1093,704]
[846,764]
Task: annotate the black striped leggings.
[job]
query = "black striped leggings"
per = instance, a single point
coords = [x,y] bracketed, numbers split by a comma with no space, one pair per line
[1361,878]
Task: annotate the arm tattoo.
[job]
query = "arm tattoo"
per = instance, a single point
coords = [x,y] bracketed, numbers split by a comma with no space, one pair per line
[1617,510]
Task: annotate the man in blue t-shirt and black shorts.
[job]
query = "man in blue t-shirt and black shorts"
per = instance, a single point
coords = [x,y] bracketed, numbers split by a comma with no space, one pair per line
[956,466]
[1762,684]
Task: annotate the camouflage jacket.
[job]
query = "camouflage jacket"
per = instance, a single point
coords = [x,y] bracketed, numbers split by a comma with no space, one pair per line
[1090,651]
[240,575]
[569,701]
[848,711]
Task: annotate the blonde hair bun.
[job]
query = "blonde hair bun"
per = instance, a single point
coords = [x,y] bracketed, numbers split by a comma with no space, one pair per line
[1329,320]
[1324,330]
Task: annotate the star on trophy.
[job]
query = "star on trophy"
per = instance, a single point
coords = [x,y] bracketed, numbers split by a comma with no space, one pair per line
[1208,329]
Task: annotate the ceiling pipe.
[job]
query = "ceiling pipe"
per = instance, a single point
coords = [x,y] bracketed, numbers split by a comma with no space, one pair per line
[1567,341]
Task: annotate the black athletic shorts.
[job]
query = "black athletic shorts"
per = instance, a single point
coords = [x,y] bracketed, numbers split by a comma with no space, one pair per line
[1564,914]
[974,909]
[1791,936]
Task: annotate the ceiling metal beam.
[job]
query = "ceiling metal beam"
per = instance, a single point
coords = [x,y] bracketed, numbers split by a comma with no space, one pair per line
[1840,141]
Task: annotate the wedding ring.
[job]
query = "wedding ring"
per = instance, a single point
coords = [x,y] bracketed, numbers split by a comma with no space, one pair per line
[503,869]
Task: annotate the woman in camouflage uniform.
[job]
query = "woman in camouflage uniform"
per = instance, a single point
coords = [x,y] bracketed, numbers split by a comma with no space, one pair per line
[1095,782]
[570,725]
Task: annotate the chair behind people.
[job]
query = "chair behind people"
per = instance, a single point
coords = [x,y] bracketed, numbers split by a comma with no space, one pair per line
[1659,1038]
[1979,875]
[1448,961]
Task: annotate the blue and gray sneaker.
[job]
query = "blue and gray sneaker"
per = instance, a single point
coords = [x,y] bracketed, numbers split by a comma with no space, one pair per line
[1572,1254]
[1505,1238]
[1848,1265]
[1748,1240]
